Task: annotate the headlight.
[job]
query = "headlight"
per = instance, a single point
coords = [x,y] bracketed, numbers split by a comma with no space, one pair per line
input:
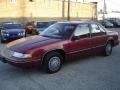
[2,31]
[5,34]
[21,55]
[19,34]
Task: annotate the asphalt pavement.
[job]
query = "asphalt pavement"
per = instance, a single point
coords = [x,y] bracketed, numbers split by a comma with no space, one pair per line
[91,73]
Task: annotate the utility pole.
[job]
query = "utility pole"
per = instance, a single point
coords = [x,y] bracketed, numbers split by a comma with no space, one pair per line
[68,17]
[63,9]
[104,9]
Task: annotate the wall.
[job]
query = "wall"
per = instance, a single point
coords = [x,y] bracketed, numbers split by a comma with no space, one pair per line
[24,10]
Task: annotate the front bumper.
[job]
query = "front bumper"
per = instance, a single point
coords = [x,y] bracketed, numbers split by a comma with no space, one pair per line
[23,63]
[11,37]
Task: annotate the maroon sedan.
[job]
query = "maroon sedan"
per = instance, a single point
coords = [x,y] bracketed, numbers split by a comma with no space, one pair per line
[63,41]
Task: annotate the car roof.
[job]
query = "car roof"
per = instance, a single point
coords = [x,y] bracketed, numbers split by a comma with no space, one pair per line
[45,21]
[78,22]
[11,24]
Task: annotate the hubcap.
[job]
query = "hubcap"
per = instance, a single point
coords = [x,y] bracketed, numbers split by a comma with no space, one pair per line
[108,49]
[54,63]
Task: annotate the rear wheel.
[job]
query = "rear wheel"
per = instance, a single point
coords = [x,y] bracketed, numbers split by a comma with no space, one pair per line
[52,62]
[108,49]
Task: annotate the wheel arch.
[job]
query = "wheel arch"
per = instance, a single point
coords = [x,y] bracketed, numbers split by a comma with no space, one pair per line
[60,51]
[111,41]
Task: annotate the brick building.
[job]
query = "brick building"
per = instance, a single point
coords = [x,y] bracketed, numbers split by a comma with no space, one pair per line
[24,10]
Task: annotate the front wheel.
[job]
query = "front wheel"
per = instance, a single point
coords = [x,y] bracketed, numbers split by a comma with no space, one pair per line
[52,62]
[108,49]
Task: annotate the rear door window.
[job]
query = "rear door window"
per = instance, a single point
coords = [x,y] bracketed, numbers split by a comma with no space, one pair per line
[96,30]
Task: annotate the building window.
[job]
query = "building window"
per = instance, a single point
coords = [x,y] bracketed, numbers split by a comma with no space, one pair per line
[13,1]
[31,0]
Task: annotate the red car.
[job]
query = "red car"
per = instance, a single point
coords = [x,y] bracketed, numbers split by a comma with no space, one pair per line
[62,41]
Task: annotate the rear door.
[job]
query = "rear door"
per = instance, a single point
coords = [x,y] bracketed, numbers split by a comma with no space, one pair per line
[98,37]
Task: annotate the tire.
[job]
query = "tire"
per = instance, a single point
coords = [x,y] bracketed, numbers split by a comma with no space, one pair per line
[52,62]
[108,49]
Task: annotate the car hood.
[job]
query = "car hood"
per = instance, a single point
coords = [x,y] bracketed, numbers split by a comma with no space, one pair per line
[14,30]
[25,44]
[109,24]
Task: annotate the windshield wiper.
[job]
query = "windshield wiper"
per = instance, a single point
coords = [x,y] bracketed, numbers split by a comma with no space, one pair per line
[45,36]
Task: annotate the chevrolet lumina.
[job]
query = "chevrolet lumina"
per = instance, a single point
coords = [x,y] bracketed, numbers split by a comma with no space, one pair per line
[11,32]
[62,41]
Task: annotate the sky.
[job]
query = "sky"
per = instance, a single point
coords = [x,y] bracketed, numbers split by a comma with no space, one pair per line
[112,5]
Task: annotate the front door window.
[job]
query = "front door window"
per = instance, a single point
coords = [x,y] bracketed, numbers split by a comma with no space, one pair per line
[82,31]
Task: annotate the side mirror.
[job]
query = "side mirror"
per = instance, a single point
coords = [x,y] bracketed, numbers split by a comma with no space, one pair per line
[75,38]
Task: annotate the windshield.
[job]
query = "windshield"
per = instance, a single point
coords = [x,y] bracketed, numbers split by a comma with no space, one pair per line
[117,20]
[107,22]
[42,24]
[59,30]
[12,26]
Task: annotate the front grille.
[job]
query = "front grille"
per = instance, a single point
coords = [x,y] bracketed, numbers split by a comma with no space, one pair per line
[12,35]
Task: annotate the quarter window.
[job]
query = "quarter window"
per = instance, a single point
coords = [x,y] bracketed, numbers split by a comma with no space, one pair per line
[82,31]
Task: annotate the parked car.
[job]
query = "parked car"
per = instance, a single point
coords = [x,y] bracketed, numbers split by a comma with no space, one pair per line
[0,26]
[116,22]
[107,24]
[63,41]
[8,22]
[2,23]
[11,32]
[42,25]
